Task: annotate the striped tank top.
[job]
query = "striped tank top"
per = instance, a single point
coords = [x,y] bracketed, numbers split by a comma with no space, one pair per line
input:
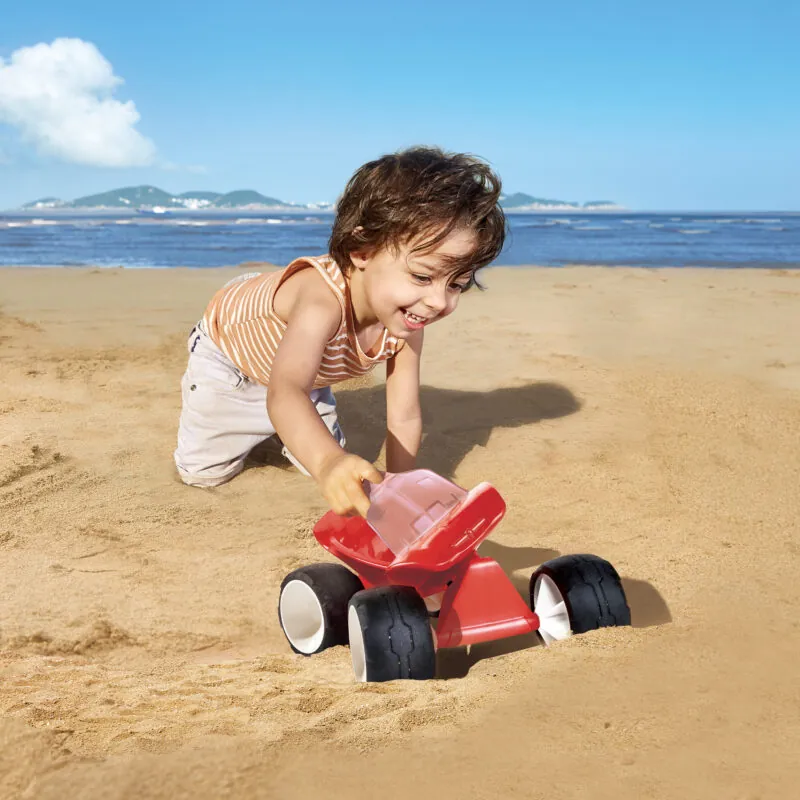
[241,321]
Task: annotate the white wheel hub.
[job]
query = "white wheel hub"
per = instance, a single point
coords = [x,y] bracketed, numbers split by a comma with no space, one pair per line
[301,615]
[549,606]
[356,636]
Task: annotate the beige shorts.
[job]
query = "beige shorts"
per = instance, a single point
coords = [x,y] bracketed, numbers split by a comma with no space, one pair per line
[224,416]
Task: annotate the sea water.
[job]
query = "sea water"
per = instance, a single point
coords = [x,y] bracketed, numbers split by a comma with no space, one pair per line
[197,239]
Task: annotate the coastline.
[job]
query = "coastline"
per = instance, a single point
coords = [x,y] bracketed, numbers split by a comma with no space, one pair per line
[103,211]
[204,240]
[648,415]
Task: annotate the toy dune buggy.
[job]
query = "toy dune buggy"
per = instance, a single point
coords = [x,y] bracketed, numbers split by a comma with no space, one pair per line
[418,583]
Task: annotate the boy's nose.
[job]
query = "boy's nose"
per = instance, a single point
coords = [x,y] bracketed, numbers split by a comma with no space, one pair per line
[436,299]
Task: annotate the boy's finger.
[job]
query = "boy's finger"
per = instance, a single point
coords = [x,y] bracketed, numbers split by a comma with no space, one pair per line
[360,501]
[370,473]
[362,509]
[340,503]
[351,507]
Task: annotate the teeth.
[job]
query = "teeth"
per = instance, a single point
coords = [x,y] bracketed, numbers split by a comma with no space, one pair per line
[414,317]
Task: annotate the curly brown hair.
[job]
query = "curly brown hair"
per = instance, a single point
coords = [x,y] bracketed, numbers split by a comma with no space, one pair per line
[420,196]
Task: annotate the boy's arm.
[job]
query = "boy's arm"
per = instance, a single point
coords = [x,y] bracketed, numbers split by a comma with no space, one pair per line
[313,318]
[403,411]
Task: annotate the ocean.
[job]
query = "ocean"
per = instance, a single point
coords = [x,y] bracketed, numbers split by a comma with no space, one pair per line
[196,239]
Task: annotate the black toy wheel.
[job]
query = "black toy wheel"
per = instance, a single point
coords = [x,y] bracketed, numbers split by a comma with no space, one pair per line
[390,635]
[313,606]
[575,594]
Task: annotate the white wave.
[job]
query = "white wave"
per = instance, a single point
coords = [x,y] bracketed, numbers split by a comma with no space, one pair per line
[722,221]
[191,223]
[122,221]
[269,221]
[762,221]
[15,224]
[592,228]
[692,231]
[44,222]
[656,225]
[675,219]
[777,229]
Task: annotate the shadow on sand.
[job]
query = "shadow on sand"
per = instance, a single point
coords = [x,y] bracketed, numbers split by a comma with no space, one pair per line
[455,421]
[648,607]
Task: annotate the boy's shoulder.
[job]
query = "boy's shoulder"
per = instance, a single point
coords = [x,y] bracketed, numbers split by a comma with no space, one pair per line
[305,286]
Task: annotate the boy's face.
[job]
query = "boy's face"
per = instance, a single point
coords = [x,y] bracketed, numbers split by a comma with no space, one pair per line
[407,291]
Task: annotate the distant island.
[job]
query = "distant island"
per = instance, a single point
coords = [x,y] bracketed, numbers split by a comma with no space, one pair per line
[525,202]
[154,200]
[151,198]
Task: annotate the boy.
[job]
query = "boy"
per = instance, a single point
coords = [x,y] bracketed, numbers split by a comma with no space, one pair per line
[411,230]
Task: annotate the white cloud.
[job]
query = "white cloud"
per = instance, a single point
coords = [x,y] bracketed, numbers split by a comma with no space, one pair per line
[59,96]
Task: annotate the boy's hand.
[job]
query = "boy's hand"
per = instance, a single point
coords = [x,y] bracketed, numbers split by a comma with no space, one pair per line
[340,482]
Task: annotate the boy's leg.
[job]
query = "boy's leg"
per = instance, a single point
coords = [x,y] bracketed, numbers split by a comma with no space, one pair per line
[325,403]
[224,416]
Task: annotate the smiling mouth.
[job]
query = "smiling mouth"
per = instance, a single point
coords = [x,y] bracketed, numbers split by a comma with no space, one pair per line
[414,318]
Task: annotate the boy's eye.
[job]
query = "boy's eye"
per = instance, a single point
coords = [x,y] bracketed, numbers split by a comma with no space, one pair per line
[421,278]
[459,287]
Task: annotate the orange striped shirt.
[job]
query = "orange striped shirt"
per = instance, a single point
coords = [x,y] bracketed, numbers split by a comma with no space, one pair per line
[241,321]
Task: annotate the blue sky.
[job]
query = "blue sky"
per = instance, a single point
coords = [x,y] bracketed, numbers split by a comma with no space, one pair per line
[658,106]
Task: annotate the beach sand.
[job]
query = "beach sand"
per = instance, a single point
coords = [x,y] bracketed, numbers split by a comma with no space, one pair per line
[649,416]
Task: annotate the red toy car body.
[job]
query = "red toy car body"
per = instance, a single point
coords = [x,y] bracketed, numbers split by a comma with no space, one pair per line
[479,602]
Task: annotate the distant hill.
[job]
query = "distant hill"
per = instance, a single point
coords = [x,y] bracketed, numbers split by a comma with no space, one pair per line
[127,197]
[147,197]
[246,197]
[210,196]
[45,202]
[601,204]
[519,201]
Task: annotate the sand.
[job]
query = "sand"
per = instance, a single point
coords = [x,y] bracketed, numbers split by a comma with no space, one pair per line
[649,416]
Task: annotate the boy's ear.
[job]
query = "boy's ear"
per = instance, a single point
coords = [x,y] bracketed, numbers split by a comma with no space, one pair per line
[359,258]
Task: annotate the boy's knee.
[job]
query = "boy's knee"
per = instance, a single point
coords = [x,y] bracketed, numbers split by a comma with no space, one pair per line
[336,432]
[207,479]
